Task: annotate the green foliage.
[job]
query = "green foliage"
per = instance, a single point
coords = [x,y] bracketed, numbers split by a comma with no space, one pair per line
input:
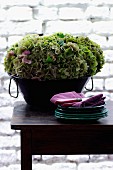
[57,56]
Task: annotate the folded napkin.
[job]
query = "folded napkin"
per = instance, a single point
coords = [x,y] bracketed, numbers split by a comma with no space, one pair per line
[66,95]
[71,97]
[96,100]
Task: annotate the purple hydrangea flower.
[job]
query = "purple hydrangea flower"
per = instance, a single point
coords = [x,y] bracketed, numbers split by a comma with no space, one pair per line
[26,52]
[25,60]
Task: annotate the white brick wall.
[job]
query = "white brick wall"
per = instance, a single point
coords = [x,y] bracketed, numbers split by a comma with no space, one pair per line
[103,28]
[71,13]
[22,28]
[65,2]
[13,39]
[99,39]
[10,3]
[78,27]
[19,13]
[2,14]
[45,13]
[3,43]
[101,13]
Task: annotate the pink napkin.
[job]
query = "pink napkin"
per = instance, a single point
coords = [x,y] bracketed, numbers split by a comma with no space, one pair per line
[96,100]
[66,95]
[92,101]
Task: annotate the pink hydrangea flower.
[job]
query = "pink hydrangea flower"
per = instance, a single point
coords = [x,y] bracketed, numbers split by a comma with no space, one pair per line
[26,52]
[25,60]
[11,53]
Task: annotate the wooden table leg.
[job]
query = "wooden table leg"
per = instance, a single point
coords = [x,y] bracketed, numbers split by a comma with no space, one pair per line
[26,154]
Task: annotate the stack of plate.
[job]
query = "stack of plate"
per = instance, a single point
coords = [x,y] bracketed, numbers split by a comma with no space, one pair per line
[83,113]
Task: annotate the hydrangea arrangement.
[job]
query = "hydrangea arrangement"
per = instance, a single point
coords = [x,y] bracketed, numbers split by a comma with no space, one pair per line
[54,57]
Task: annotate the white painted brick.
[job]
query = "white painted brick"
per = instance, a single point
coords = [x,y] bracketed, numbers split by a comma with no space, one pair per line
[7,157]
[97,84]
[71,13]
[78,158]
[22,28]
[37,158]
[87,166]
[111,13]
[74,27]
[3,14]
[111,98]
[110,42]
[107,165]
[1,70]
[64,2]
[20,13]
[108,55]
[98,158]
[1,56]
[102,2]
[19,155]
[5,128]
[111,69]
[103,27]
[40,166]
[45,13]
[109,84]
[6,100]
[6,113]
[9,142]
[101,40]
[4,168]
[110,157]
[97,12]
[64,166]
[14,167]
[105,71]
[4,27]
[51,158]
[13,39]
[3,43]
[8,3]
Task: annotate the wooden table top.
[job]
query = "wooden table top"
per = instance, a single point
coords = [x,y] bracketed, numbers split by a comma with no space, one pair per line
[25,117]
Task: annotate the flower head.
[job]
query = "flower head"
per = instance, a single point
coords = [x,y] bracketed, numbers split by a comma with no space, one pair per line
[25,60]
[26,52]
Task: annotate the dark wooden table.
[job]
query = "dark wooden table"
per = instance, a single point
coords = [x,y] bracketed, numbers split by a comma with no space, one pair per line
[42,134]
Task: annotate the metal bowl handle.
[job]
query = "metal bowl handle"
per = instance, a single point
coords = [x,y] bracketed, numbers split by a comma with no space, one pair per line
[17,91]
[91,85]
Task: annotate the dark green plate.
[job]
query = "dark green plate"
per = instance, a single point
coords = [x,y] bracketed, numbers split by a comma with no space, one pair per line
[85,116]
[76,115]
[80,111]
[94,116]
[65,118]
[78,118]
[82,115]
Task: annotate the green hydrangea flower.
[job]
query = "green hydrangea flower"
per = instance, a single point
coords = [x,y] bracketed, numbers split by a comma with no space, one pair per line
[57,56]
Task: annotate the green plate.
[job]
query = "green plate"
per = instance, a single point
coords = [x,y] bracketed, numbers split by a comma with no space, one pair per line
[85,116]
[95,116]
[65,118]
[80,111]
[82,114]
[99,116]
[78,118]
